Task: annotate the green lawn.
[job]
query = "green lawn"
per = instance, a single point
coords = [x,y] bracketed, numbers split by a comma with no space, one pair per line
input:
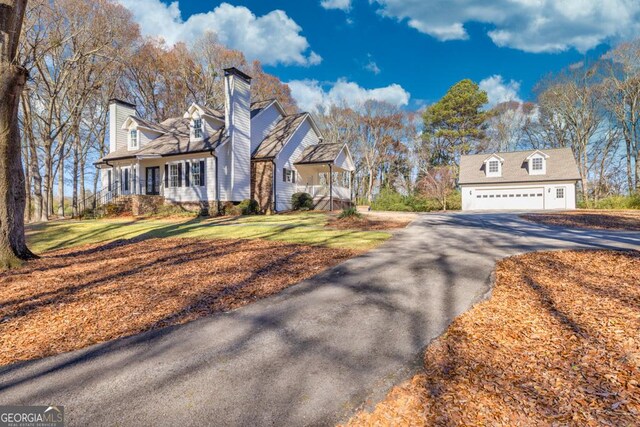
[308,228]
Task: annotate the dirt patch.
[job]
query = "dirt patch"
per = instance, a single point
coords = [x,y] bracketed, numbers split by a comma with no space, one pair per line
[558,343]
[76,297]
[366,224]
[603,220]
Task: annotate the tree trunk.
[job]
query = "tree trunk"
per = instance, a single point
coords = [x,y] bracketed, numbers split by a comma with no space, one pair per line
[74,196]
[13,246]
[27,182]
[61,185]
[83,194]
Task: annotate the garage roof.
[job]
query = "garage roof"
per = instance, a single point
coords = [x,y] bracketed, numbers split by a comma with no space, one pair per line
[561,166]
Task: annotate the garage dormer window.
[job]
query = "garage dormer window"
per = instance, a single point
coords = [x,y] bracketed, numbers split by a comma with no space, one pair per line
[494,167]
[197,128]
[133,139]
[536,164]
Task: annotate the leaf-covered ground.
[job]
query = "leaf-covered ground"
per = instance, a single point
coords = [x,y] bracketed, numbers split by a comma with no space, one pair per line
[364,223]
[604,220]
[72,298]
[558,343]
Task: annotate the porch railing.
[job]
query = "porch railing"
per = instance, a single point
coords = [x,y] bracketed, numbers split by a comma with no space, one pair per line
[339,192]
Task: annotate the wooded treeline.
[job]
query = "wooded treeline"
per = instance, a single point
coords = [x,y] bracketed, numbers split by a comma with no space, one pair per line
[81,53]
[592,108]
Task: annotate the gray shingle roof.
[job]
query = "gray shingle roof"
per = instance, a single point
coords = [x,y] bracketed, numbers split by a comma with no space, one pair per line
[278,137]
[176,141]
[561,166]
[147,124]
[321,153]
[176,136]
[258,106]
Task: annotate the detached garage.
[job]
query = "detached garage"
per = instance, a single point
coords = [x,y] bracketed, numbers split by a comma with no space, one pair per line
[522,180]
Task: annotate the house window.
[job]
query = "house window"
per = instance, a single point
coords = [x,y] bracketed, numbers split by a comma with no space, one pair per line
[197,128]
[494,166]
[536,164]
[133,138]
[174,175]
[559,193]
[196,174]
[288,175]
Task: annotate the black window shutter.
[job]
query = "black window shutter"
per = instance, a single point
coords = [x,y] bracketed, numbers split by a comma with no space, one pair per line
[186,174]
[179,174]
[202,173]
[109,179]
[293,176]
[284,174]
[166,176]
[126,180]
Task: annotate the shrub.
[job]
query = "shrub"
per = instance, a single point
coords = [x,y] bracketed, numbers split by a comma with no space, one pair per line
[390,200]
[230,209]
[302,202]
[617,202]
[351,212]
[249,207]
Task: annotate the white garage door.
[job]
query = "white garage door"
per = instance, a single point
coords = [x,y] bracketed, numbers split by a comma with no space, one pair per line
[509,199]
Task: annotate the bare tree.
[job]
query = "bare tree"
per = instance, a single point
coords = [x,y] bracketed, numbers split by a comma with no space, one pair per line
[439,182]
[13,246]
[623,101]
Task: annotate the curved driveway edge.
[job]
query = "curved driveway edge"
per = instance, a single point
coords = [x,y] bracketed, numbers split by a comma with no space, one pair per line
[310,355]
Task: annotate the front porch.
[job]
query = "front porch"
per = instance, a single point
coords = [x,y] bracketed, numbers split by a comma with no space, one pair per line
[328,184]
[326,173]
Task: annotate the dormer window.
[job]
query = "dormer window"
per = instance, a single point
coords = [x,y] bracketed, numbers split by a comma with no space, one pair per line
[133,139]
[197,128]
[494,167]
[536,164]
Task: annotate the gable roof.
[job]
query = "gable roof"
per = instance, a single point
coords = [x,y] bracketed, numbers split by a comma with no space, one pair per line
[321,153]
[561,166]
[144,124]
[279,136]
[175,141]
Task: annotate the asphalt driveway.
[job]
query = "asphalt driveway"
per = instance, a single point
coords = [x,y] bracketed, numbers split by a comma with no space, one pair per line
[309,356]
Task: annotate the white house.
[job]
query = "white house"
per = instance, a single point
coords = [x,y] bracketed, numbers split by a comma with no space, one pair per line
[522,180]
[208,157]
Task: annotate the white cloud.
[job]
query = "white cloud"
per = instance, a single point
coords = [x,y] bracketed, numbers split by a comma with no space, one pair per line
[344,5]
[498,90]
[372,66]
[311,94]
[528,25]
[273,38]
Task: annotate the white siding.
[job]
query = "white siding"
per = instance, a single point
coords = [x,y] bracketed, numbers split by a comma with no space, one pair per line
[146,136]
[224,174]
[183,193]
[118,114]
[549,201]
[304,137]
[262,124]
[238,93]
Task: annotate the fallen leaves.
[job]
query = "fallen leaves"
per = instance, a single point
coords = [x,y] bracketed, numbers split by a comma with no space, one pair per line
[76,297]
[366,224]
[558,343]
[603,220]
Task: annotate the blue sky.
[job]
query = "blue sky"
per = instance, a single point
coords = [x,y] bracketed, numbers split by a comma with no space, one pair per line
[407,52]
